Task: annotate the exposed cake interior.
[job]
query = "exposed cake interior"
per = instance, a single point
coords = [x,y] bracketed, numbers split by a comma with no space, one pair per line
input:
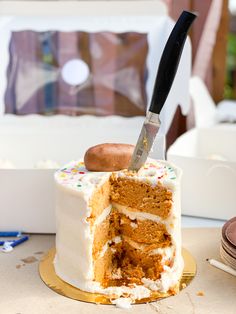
[133,226]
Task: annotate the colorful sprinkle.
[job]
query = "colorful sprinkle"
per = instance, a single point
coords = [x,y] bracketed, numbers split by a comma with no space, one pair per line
[74,174]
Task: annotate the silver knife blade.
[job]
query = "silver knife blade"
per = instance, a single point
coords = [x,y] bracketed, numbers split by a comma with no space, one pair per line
[145,141]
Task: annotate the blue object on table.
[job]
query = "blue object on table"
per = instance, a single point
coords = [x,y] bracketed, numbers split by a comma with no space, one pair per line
[10,233]
[14,243]
[21,240]
[2,242]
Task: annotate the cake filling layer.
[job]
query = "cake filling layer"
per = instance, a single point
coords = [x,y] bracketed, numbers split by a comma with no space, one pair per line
[135,248]
[103,215]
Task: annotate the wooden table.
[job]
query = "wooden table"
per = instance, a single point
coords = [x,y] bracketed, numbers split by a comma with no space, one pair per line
[23,292]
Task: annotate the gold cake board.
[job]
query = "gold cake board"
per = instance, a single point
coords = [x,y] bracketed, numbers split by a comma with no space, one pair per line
[49,277]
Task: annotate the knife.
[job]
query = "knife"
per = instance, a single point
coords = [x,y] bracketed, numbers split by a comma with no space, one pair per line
[165,75]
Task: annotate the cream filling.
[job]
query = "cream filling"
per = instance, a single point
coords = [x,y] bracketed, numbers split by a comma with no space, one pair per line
[131,214]
[169,278]
[138,292]
[115,240]
[171,275]
[134,215]
[106,212]
[167,253]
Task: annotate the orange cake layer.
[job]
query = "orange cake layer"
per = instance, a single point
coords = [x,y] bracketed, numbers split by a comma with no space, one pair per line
[141,196]
[150,265]
[141,231]
[145,231]
[101,236]
[129,265]
[103,266]
[99,200]
[131,262]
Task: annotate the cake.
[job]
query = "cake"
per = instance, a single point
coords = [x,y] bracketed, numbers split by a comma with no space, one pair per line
[118,233]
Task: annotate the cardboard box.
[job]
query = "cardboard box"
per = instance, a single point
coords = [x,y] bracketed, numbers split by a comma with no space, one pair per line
[207,157]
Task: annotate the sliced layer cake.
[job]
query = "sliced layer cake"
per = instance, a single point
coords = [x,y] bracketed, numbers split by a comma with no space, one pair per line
[119,233]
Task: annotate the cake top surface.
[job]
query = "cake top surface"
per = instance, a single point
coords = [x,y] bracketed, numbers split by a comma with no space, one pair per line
[75,176]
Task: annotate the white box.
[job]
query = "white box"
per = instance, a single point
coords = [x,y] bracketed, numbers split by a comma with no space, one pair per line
[208,184]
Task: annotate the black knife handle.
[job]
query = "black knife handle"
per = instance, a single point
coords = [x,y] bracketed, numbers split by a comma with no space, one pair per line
[170,60]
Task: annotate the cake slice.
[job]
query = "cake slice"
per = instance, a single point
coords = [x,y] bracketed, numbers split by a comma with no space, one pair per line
[118,233]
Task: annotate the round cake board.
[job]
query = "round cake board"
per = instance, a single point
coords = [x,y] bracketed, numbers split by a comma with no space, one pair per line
[49,277]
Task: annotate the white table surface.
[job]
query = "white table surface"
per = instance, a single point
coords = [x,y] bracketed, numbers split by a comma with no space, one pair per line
[23,292]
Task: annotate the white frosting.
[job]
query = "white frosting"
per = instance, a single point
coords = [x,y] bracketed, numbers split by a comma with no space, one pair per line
[103,215]
[123,303]
[137,292]
[74,240]
[75,177]
[169,278]
[169,222]
[155,171]
[167,253]
[133,215]
[105,247]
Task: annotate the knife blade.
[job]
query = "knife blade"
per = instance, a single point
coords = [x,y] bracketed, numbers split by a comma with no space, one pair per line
[165,75]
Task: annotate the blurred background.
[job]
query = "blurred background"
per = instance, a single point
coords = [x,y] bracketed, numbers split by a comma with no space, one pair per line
[220,76]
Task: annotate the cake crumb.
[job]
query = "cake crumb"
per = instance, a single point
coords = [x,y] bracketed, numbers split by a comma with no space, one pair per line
[200,293]
[18,266]
[155,307]
[29,259]
[183,285]
[122,303]
[133,225]
[170,307]
[117,274]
